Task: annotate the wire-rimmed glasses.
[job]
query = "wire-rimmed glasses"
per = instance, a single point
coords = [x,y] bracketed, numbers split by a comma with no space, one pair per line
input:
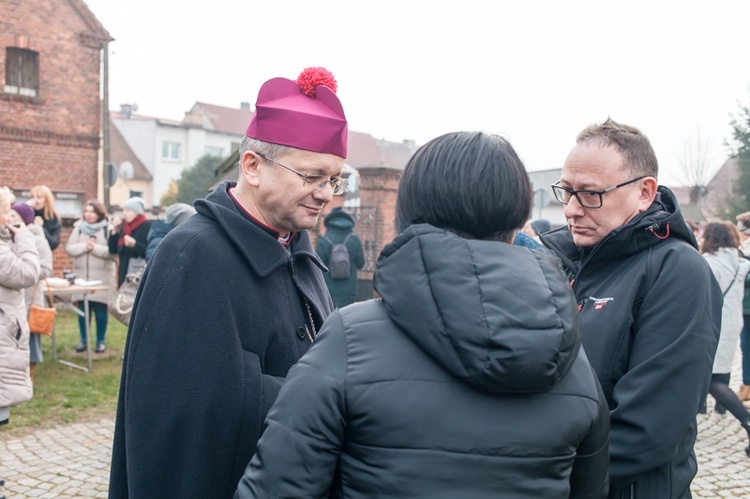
[338,185]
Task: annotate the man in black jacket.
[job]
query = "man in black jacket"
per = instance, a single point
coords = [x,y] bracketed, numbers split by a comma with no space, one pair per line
[649,306]
[230,300]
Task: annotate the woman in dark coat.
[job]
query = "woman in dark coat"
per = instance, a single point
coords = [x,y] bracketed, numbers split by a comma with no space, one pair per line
[45,213]
[466,379]
[128,236]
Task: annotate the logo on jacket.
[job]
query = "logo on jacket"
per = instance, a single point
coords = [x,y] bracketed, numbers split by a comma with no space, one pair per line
[600,302]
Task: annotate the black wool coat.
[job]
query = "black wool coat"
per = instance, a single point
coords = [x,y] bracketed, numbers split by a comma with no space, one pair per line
[218,320]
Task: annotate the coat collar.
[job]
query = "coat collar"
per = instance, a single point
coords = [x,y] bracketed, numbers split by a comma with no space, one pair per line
[262,251]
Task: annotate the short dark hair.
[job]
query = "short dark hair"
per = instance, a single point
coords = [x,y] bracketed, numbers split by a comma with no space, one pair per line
[719,235]
[636,150]
[471,183]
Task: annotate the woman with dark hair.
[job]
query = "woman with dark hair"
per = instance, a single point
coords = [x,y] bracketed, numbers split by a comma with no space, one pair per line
[719,247]
[466,378]
[88,247]
[45,213]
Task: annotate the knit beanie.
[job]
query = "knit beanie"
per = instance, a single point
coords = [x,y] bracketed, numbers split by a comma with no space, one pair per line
[26,212]
[135,204]
[178,213]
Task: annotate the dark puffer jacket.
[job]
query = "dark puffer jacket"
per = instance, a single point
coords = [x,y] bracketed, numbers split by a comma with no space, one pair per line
[465,380]
[650,314]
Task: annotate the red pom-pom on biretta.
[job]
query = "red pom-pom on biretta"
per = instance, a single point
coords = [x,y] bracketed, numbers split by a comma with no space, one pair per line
[310,78]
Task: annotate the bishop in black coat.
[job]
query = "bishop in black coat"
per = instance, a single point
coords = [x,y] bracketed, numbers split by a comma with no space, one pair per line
[223,312]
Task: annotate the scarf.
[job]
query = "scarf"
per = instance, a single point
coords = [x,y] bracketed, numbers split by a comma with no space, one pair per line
[91,229]
[129,227]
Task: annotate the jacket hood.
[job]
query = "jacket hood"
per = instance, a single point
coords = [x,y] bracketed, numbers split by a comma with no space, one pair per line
[661,221]
[339,219]
[500,317]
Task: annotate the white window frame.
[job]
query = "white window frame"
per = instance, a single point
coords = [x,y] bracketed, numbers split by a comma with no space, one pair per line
[170,150]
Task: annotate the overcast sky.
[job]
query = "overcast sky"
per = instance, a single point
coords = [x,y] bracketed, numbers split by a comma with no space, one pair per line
[536,72]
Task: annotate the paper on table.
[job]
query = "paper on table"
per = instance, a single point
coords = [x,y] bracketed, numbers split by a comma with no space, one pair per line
[84,282]
[56,282]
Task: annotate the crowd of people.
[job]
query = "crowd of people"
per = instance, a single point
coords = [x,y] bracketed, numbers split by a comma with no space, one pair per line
[502,357]
[97,250]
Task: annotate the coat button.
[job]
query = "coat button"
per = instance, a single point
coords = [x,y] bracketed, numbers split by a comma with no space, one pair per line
[301,334]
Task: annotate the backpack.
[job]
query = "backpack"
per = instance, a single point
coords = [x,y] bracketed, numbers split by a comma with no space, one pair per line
[339,265]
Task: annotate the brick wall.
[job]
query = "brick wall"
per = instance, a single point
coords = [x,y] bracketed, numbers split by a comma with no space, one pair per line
[377,195]
[53,138]
[60,259]
[378,188]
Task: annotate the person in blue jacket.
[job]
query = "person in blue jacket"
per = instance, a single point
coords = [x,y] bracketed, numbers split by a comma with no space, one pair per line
[174,216]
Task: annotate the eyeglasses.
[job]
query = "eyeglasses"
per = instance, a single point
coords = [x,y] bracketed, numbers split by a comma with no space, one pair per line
[338,185]
[587,199]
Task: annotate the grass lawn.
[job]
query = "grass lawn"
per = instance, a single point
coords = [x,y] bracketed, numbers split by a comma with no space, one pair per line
[64,394]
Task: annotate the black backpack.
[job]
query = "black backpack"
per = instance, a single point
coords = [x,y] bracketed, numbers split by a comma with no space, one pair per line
[339,264]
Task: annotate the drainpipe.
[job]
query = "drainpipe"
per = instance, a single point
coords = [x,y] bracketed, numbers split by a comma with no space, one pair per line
[105,125]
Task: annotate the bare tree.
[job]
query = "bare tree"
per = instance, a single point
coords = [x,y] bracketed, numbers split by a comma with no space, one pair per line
[696,160]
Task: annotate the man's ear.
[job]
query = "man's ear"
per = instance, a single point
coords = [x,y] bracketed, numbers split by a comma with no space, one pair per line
[250,168]
[648,189]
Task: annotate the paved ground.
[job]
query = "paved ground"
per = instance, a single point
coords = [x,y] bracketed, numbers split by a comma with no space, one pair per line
[73,461]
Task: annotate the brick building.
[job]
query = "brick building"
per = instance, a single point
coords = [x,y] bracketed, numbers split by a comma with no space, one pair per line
[50,110]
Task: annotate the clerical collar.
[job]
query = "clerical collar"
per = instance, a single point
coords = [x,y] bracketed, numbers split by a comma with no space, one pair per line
[284,240]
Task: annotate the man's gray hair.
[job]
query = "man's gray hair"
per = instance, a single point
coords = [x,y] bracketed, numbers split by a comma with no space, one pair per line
[267,149]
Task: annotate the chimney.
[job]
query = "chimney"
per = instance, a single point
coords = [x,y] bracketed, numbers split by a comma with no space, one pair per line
[245,106]
[126,110]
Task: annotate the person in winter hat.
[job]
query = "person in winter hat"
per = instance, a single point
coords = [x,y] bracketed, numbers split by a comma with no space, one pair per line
[25,211]
[340,230]
[174,216]
[237,292]
[135,204]
[128,236]
[466,378]
[19,269]
[34,295]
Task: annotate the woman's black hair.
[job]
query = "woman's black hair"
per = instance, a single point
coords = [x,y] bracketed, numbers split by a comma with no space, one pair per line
[471,183]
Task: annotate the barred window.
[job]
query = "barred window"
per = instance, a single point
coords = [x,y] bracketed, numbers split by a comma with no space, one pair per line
[21,71]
